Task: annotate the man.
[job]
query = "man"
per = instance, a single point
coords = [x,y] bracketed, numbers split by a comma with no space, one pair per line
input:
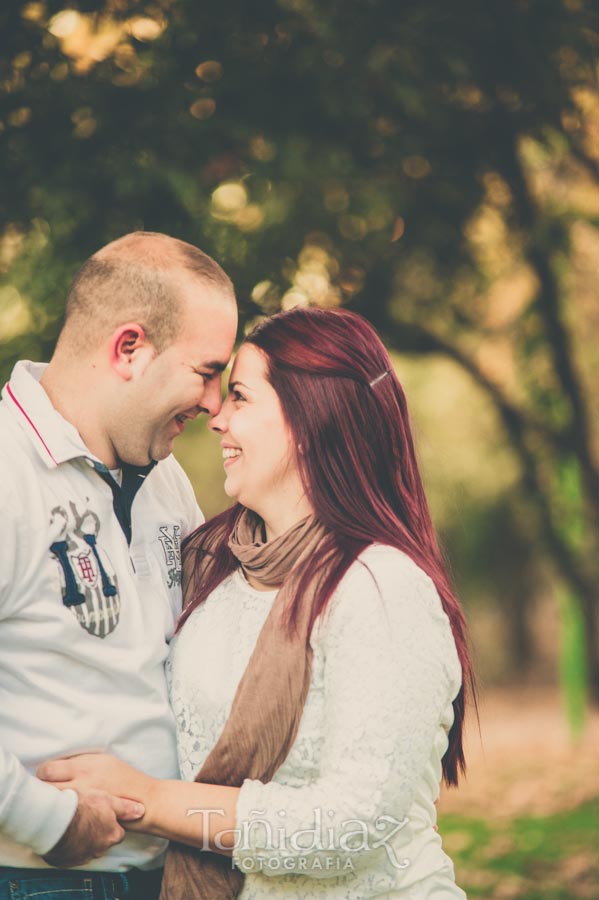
[94,508]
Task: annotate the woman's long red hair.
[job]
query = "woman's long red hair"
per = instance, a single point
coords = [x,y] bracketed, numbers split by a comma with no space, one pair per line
[358,467]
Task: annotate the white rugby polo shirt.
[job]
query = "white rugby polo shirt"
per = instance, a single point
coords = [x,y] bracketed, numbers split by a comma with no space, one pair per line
[90,590]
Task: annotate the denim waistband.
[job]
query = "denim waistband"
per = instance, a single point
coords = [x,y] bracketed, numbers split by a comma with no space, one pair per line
[132,883]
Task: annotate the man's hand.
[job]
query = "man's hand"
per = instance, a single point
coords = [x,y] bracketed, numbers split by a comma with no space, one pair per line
[101,771]
[94,828]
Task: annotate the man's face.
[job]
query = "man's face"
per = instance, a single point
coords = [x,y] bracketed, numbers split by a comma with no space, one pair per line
[179,383]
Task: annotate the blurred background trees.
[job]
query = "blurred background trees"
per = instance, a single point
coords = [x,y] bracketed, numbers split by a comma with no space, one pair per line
[434,166]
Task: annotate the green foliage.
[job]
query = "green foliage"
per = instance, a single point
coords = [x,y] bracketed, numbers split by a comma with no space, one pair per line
[530,858]
[338,120]
[573,662]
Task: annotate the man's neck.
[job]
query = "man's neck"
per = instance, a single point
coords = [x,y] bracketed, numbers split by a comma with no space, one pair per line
[73,396]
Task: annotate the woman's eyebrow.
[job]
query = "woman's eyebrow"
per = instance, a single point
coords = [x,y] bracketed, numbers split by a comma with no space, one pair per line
[234,384]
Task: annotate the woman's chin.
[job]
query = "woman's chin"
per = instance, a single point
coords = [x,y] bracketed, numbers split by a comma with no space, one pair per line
[238,496]
[231,491]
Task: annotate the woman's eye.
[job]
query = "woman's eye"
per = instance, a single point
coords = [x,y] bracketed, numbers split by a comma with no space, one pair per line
[237,396]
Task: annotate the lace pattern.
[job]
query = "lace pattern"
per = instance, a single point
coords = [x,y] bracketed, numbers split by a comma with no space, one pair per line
[370,742]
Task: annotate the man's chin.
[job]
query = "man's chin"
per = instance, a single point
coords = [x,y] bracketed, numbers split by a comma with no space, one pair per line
[140,460]
[158,453]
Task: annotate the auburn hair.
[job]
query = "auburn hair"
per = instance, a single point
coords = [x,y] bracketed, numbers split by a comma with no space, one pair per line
[346,408]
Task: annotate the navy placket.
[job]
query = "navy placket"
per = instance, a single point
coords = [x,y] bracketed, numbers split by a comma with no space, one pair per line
[123,495]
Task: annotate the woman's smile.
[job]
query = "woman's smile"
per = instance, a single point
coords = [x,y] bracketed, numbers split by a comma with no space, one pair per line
[230,454]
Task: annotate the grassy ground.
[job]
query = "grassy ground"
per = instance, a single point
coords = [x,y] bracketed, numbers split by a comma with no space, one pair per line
[525,825]
[529,858]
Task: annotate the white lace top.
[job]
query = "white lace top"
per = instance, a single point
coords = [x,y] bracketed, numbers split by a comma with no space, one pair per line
[350,813]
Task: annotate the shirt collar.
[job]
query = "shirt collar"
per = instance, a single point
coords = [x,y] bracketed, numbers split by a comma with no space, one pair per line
[55,439]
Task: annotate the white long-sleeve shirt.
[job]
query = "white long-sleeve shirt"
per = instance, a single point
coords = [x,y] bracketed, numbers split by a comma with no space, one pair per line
[88,676]
[367,756]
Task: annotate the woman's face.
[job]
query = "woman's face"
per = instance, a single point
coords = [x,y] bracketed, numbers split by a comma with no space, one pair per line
[258,452]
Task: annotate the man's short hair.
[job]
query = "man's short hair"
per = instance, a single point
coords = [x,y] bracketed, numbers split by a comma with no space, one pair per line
[137,278]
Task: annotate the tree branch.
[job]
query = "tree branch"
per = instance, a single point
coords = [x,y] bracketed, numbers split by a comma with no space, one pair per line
[416,339]
[558,337]
[516,425]
[411,338]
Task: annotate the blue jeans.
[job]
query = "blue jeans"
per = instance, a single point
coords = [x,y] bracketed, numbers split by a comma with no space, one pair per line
[66,884]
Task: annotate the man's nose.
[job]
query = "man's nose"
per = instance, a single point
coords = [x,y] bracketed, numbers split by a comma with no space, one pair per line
[220,420]
[211,401]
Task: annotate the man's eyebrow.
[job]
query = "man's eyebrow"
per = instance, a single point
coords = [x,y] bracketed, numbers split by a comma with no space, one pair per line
[217,366]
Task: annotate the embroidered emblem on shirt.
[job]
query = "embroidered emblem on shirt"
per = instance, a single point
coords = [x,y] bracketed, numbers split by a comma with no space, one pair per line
[89,583]
[169,538]
[86,569]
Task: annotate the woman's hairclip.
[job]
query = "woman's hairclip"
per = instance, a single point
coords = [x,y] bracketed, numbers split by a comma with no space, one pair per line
[379,378]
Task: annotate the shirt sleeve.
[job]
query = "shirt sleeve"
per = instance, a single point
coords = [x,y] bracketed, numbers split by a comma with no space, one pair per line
[390,672]
[31,812]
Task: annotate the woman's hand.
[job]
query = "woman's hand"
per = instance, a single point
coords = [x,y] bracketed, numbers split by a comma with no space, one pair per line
[101,771]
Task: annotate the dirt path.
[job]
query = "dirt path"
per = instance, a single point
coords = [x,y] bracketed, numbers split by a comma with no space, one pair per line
[527,763]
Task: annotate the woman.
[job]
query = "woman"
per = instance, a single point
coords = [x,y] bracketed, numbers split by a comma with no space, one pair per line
[318,675]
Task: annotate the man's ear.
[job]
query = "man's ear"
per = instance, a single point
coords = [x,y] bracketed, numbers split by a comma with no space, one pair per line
[130,350]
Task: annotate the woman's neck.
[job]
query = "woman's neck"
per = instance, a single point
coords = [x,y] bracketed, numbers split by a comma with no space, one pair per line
[280,519]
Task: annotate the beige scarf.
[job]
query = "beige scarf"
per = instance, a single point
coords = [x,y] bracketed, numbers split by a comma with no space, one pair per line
[269,701]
